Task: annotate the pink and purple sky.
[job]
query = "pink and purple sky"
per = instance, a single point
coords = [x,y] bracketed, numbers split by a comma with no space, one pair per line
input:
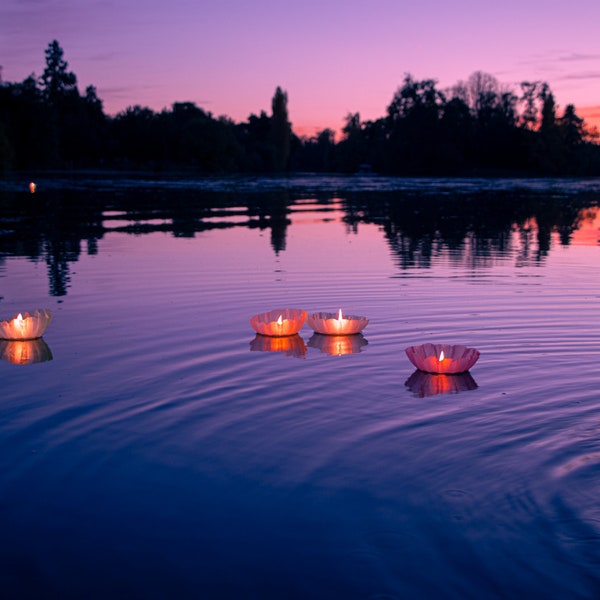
[331,56]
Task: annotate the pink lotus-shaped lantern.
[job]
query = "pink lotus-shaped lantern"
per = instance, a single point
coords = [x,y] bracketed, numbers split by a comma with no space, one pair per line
[442,358]
[279,323]
[336,323]
[26,326]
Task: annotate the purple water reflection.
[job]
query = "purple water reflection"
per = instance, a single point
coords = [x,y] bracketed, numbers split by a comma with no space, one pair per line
[165,451]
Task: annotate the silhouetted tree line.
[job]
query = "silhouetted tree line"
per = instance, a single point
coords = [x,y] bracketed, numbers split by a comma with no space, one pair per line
[477,127]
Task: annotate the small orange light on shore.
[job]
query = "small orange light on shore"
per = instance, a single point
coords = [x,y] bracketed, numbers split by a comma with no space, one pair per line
[32,187]
[336,324]
[442,358]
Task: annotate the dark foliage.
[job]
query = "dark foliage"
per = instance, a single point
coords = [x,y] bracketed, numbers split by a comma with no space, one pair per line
[476,128]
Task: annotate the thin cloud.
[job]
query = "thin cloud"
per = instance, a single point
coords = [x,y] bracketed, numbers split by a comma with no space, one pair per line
[580,76]
[575,57]
[102,57]
[557,57]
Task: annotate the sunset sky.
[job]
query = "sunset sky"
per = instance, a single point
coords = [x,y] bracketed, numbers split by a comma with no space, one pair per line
[331,56]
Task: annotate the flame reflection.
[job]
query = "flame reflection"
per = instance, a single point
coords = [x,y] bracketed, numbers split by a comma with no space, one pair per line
[291,345]
[430,384]
[336,345]
[27,352]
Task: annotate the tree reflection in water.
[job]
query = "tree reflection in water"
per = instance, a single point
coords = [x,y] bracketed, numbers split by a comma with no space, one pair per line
[473,228]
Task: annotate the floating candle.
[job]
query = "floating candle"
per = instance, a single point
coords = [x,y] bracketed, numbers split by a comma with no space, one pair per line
[279,323]
[26,326]
[336,323]
[442,358]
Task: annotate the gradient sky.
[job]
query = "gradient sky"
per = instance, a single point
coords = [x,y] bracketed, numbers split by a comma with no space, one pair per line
[331,56]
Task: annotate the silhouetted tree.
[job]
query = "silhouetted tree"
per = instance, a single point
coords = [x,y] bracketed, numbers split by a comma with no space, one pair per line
[547,151]
[78,123]
[135,135]
[456,135]
[530,95]
[352,148]
[548,121]
[7,155]
[28,125]
[56,81]
[413,121]
[572,127]
[255,137]
[280,130]
[482,91]
[318,152]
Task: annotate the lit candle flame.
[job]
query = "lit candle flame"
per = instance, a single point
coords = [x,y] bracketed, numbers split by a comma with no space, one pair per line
[32,187]
[19,324]
[441,356]
[340,315]
[280,320]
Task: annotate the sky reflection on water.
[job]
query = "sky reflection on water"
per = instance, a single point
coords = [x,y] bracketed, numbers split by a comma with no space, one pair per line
[159,446]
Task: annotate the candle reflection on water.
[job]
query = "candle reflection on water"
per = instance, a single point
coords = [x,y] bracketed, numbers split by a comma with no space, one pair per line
[423,384]
[291,345]
[25,352]
[338,345]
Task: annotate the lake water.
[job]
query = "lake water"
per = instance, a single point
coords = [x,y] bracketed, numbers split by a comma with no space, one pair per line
[156,447]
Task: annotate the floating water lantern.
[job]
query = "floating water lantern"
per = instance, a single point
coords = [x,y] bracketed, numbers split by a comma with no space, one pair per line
[26,326]
[290,345]
[279,323]
[337,345]
[423,384]
[25,352]
[442,358]
[336,323]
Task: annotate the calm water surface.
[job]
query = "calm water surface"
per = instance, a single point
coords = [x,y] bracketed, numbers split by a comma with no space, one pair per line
[156,447]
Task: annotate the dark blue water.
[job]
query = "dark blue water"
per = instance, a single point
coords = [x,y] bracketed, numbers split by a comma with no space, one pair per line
[159,449]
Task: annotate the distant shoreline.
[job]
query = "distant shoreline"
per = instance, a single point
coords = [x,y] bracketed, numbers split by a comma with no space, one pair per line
[111,179]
